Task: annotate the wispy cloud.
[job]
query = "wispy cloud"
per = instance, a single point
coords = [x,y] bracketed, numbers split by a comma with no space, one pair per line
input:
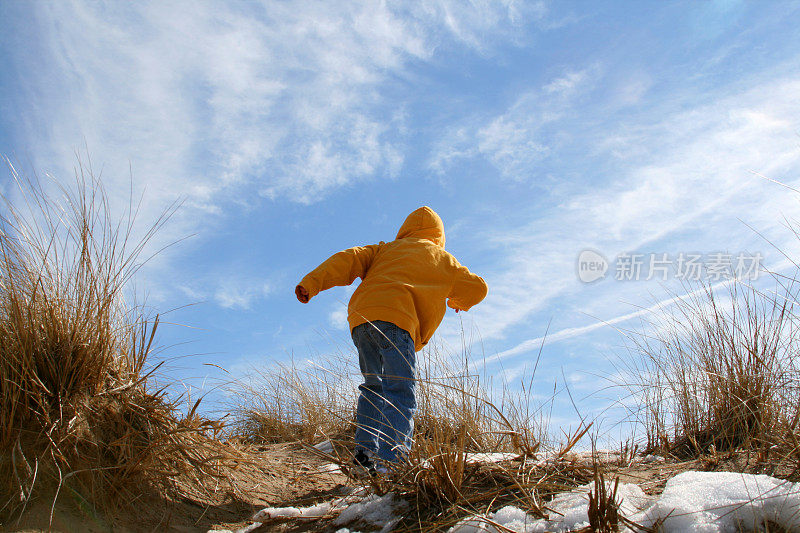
[240,295]
[515,141]
[470,21]
[681,176]
[226,105]
[536,343]
[229,292]
[210,100]
[338,317]
[570,82]
[282,97]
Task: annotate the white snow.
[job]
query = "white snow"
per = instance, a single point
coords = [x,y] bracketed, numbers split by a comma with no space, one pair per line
[496,457]
[374,509]
[486,458]
[700,502]
[359,505]
[315,511]
[325,446]
[692,502]
[711,502]
[331,468]
[569,512]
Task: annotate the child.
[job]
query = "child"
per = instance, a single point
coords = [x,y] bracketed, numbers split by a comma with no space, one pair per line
[393,314]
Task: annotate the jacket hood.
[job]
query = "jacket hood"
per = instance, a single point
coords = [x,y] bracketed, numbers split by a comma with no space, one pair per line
[423,223]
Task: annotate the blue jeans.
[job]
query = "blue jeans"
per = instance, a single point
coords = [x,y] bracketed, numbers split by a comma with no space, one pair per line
[386,403]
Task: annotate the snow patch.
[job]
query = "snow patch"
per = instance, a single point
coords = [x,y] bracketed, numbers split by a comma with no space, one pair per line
[485,458]
[700,502]
[325,446]
[692,502]
[570,511]
[374,509]
[315,511]
[359,505]
[489,458]
[331,468]
[712,502]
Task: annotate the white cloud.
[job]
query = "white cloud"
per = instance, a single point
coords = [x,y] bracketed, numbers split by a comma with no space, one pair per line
[684,183]
[338,318]
[221,104]
[228,292]
[632,88]
[534,344]
[469,21]
[238,294]
[216,101]
[515,141]
[253,97]
[569,83]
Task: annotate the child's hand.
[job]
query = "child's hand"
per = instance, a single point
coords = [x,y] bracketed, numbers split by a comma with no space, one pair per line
[301,293]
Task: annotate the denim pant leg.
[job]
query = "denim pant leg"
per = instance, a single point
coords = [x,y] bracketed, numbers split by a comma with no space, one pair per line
[399,363]
[386,403]
[369,409]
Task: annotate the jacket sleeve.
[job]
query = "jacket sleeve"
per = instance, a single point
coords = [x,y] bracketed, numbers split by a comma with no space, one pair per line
[341,268]
[468,290]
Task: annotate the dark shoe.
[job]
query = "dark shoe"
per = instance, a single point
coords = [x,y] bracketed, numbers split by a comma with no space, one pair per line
[363,466]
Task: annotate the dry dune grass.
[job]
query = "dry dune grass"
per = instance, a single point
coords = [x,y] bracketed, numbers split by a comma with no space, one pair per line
[459,415]
[306,402]
[719,373]
[79,418]
[315,400]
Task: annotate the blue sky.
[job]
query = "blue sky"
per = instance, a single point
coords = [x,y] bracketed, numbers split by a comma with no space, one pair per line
[292,130]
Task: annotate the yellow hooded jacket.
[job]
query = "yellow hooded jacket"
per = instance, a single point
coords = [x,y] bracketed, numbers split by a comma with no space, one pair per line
[405,282]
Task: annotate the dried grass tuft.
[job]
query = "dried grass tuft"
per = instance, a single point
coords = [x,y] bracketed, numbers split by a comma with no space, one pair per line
[718,373]
[306,402]
[459,415]
[78,415]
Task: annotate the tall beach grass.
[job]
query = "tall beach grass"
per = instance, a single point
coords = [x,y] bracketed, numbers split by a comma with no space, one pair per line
[477,445]
[80,417]
[718,372]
